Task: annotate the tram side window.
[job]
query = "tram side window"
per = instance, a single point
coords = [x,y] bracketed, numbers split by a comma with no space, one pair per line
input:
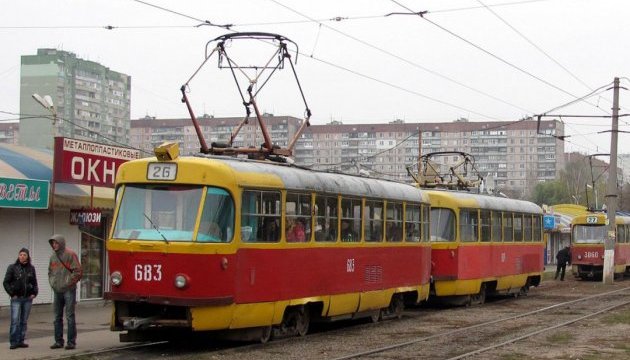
[621,233]
[260,216]
[442,225]
[217,217]
[518,227]
[485,219]
[497,220]
[412,223]
[393,227]
[298,217]
[527,227]
[508,227]
[468,225]
[326,218]
[537,228]
[350,220]
[425,225]
[373,228]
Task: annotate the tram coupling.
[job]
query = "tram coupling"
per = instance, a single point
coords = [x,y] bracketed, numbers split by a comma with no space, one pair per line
[137,322]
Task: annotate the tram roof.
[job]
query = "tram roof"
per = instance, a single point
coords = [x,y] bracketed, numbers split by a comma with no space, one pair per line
[489,202]
[296,178]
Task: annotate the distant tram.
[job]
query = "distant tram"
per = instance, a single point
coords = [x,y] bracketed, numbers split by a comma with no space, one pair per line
[483,245]
[255,249]
[588,233]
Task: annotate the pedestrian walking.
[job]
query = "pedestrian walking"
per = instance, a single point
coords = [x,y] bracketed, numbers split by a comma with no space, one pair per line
[64,271]
[20,282]
[563,257]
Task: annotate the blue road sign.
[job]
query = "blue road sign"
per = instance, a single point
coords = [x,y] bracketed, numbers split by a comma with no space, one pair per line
[549,222]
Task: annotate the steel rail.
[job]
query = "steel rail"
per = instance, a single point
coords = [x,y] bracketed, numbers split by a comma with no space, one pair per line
[528,335]
[425,338]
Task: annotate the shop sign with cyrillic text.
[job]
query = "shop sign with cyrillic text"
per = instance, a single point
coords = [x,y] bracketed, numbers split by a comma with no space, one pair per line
[24,193]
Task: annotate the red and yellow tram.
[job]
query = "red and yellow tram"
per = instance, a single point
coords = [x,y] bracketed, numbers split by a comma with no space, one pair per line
[588,233]
[483,245]
[218,243]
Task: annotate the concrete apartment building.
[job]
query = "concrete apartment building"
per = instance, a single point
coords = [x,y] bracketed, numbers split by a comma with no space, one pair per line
[88,98]
[9,133]
[511,152]
[148,132]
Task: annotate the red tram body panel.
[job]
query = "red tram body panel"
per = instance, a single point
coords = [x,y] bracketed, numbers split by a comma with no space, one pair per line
[253,275]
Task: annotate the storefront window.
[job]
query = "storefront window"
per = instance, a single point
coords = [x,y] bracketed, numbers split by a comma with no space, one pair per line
[92,251]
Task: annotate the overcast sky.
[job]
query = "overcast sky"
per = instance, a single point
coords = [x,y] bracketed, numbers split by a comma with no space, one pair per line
[481,60]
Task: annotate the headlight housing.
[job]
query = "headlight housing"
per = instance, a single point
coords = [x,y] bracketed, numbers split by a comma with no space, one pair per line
[181,281]
[116,278]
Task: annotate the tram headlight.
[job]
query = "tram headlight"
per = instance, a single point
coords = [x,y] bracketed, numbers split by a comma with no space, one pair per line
[579,257]
[181,281]
[116,278]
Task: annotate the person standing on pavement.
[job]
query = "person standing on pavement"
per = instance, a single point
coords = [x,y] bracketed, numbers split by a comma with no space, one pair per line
[64,271]
[20,282]
[563,257]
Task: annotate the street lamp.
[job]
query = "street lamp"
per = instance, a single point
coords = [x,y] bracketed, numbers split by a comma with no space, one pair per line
[47,103]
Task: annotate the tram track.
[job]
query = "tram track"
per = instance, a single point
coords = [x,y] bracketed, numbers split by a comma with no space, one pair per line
[467,329]
[431,333]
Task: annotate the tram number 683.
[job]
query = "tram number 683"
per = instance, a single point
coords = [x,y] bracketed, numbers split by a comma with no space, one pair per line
[147,272]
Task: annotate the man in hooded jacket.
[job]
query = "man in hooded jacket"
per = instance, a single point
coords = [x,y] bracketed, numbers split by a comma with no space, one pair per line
[64,271]
[20,282]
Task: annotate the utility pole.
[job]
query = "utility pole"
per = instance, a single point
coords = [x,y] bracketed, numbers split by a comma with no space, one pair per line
[611,196]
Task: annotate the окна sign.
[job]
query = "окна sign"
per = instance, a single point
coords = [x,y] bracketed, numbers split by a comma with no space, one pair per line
[24,193]
[89,163]
[87,217]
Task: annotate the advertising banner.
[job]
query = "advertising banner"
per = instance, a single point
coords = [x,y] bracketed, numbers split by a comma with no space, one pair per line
[88,163]
[86,217]
[24,193]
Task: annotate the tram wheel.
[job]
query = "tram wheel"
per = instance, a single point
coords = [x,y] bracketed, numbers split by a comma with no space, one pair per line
[524,290]
[265,334]
[397,306]
[479,298]
[377,317]
[302,321]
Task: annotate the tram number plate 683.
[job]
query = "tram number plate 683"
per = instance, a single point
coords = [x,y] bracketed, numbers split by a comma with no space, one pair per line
[162,171]
[147,272]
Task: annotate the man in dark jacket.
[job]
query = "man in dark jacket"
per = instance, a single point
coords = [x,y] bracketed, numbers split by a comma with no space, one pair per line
[64,271]
[20,282]
[563,257]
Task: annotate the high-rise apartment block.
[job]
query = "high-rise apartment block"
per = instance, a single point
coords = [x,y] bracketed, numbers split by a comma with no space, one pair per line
[149,132]
[516,155]
[88,98]
[9,133]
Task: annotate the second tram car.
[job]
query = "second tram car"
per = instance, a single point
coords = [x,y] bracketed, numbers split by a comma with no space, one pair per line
[218,243]
[588,233]
[483,245]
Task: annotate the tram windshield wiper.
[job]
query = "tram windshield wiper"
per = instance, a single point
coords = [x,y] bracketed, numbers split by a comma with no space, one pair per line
[155,227]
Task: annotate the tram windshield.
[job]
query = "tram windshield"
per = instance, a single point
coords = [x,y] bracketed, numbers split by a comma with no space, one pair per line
[169,213]
[589,234]
[442,225]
